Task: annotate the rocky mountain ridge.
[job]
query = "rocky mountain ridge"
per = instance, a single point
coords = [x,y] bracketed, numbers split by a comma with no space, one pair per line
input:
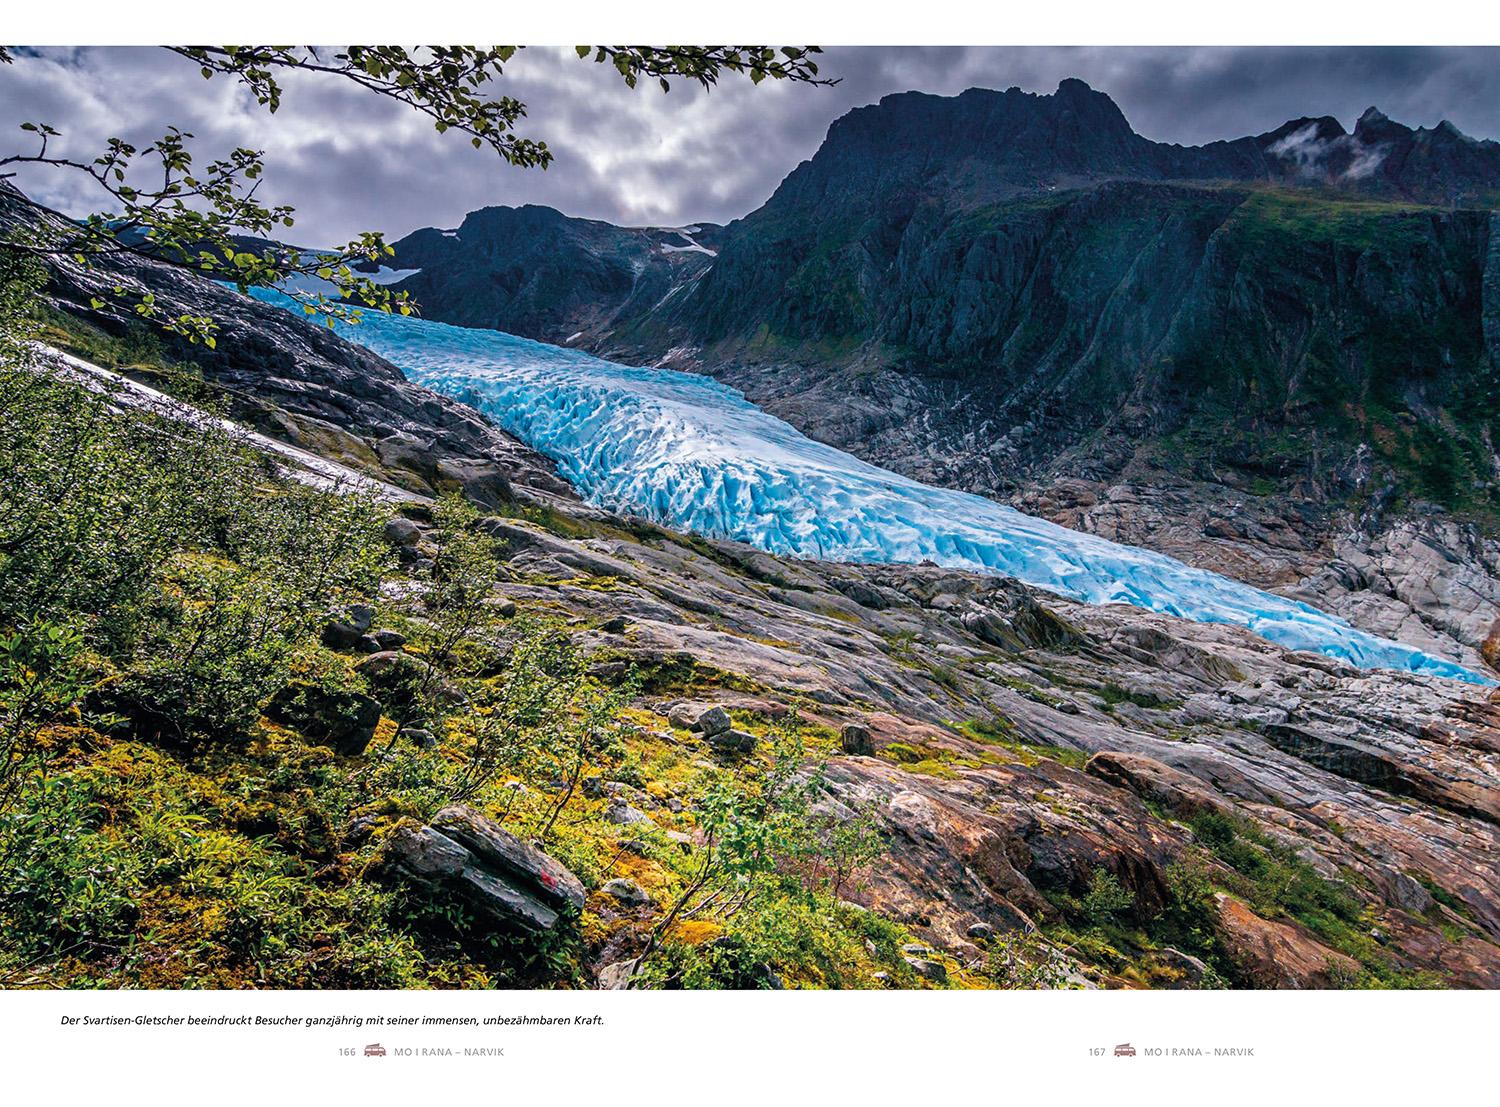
[533,271]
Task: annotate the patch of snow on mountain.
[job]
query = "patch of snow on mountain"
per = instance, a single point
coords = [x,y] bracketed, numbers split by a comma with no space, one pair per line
[693,245]
[694,454]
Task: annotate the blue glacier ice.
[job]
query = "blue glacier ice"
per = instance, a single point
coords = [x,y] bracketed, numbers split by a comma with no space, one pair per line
[694,454]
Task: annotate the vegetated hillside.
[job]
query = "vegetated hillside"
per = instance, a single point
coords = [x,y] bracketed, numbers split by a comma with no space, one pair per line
[1140,311]
[270,735]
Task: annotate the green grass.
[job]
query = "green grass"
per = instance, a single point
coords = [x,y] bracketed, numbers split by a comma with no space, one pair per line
[1113,694]
[1278,884]
[1001,732]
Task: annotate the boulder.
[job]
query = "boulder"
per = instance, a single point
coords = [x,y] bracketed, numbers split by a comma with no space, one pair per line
[402,532]
[379,641]
[627,893]
[855,739]
[463,854]
[732,741]
[507,854]
[622,814]
[705,719]
[396,677]
[928,970]
[616,976]
[347,626]
[388,667]
[421,738]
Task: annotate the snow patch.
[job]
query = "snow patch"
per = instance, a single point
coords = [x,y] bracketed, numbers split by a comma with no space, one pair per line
[692,244]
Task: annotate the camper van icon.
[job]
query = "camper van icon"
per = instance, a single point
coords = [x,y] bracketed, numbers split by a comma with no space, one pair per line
[376,1050]
[1125,1050]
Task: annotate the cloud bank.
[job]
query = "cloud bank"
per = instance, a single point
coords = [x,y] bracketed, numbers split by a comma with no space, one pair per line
[349,161]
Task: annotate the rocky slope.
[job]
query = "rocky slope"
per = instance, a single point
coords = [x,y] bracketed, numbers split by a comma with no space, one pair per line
[535,272]
[1379,783]
[1013,746]
[300,383]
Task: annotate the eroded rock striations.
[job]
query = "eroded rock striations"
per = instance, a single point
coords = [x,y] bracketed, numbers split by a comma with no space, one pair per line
[464,854]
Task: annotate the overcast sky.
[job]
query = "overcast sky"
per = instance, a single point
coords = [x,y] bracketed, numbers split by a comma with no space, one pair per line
[348,161]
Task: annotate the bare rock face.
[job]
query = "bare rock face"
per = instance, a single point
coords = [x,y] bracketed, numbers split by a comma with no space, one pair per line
[1432,582]
[1279,955]
[1421,578]
[464,854]
[1151,780]
[1110,730]
[1489,649]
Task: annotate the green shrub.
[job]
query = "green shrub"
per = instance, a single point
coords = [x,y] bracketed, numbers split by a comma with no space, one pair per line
[1107,898]
[174,552]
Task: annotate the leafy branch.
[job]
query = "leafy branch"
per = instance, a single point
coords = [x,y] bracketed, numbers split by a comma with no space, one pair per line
[164,207]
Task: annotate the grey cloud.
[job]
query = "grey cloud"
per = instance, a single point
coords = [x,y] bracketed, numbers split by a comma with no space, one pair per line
[349,161]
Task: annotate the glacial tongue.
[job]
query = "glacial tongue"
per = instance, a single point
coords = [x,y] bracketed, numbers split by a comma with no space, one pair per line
[693,454]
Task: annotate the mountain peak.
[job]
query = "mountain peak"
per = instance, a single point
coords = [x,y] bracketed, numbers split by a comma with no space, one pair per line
[1073,86]
[984,145]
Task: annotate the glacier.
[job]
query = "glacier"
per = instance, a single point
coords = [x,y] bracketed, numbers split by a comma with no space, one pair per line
[691,453]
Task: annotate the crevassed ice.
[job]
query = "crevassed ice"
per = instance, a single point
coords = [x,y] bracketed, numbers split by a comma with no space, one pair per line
[694,454]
